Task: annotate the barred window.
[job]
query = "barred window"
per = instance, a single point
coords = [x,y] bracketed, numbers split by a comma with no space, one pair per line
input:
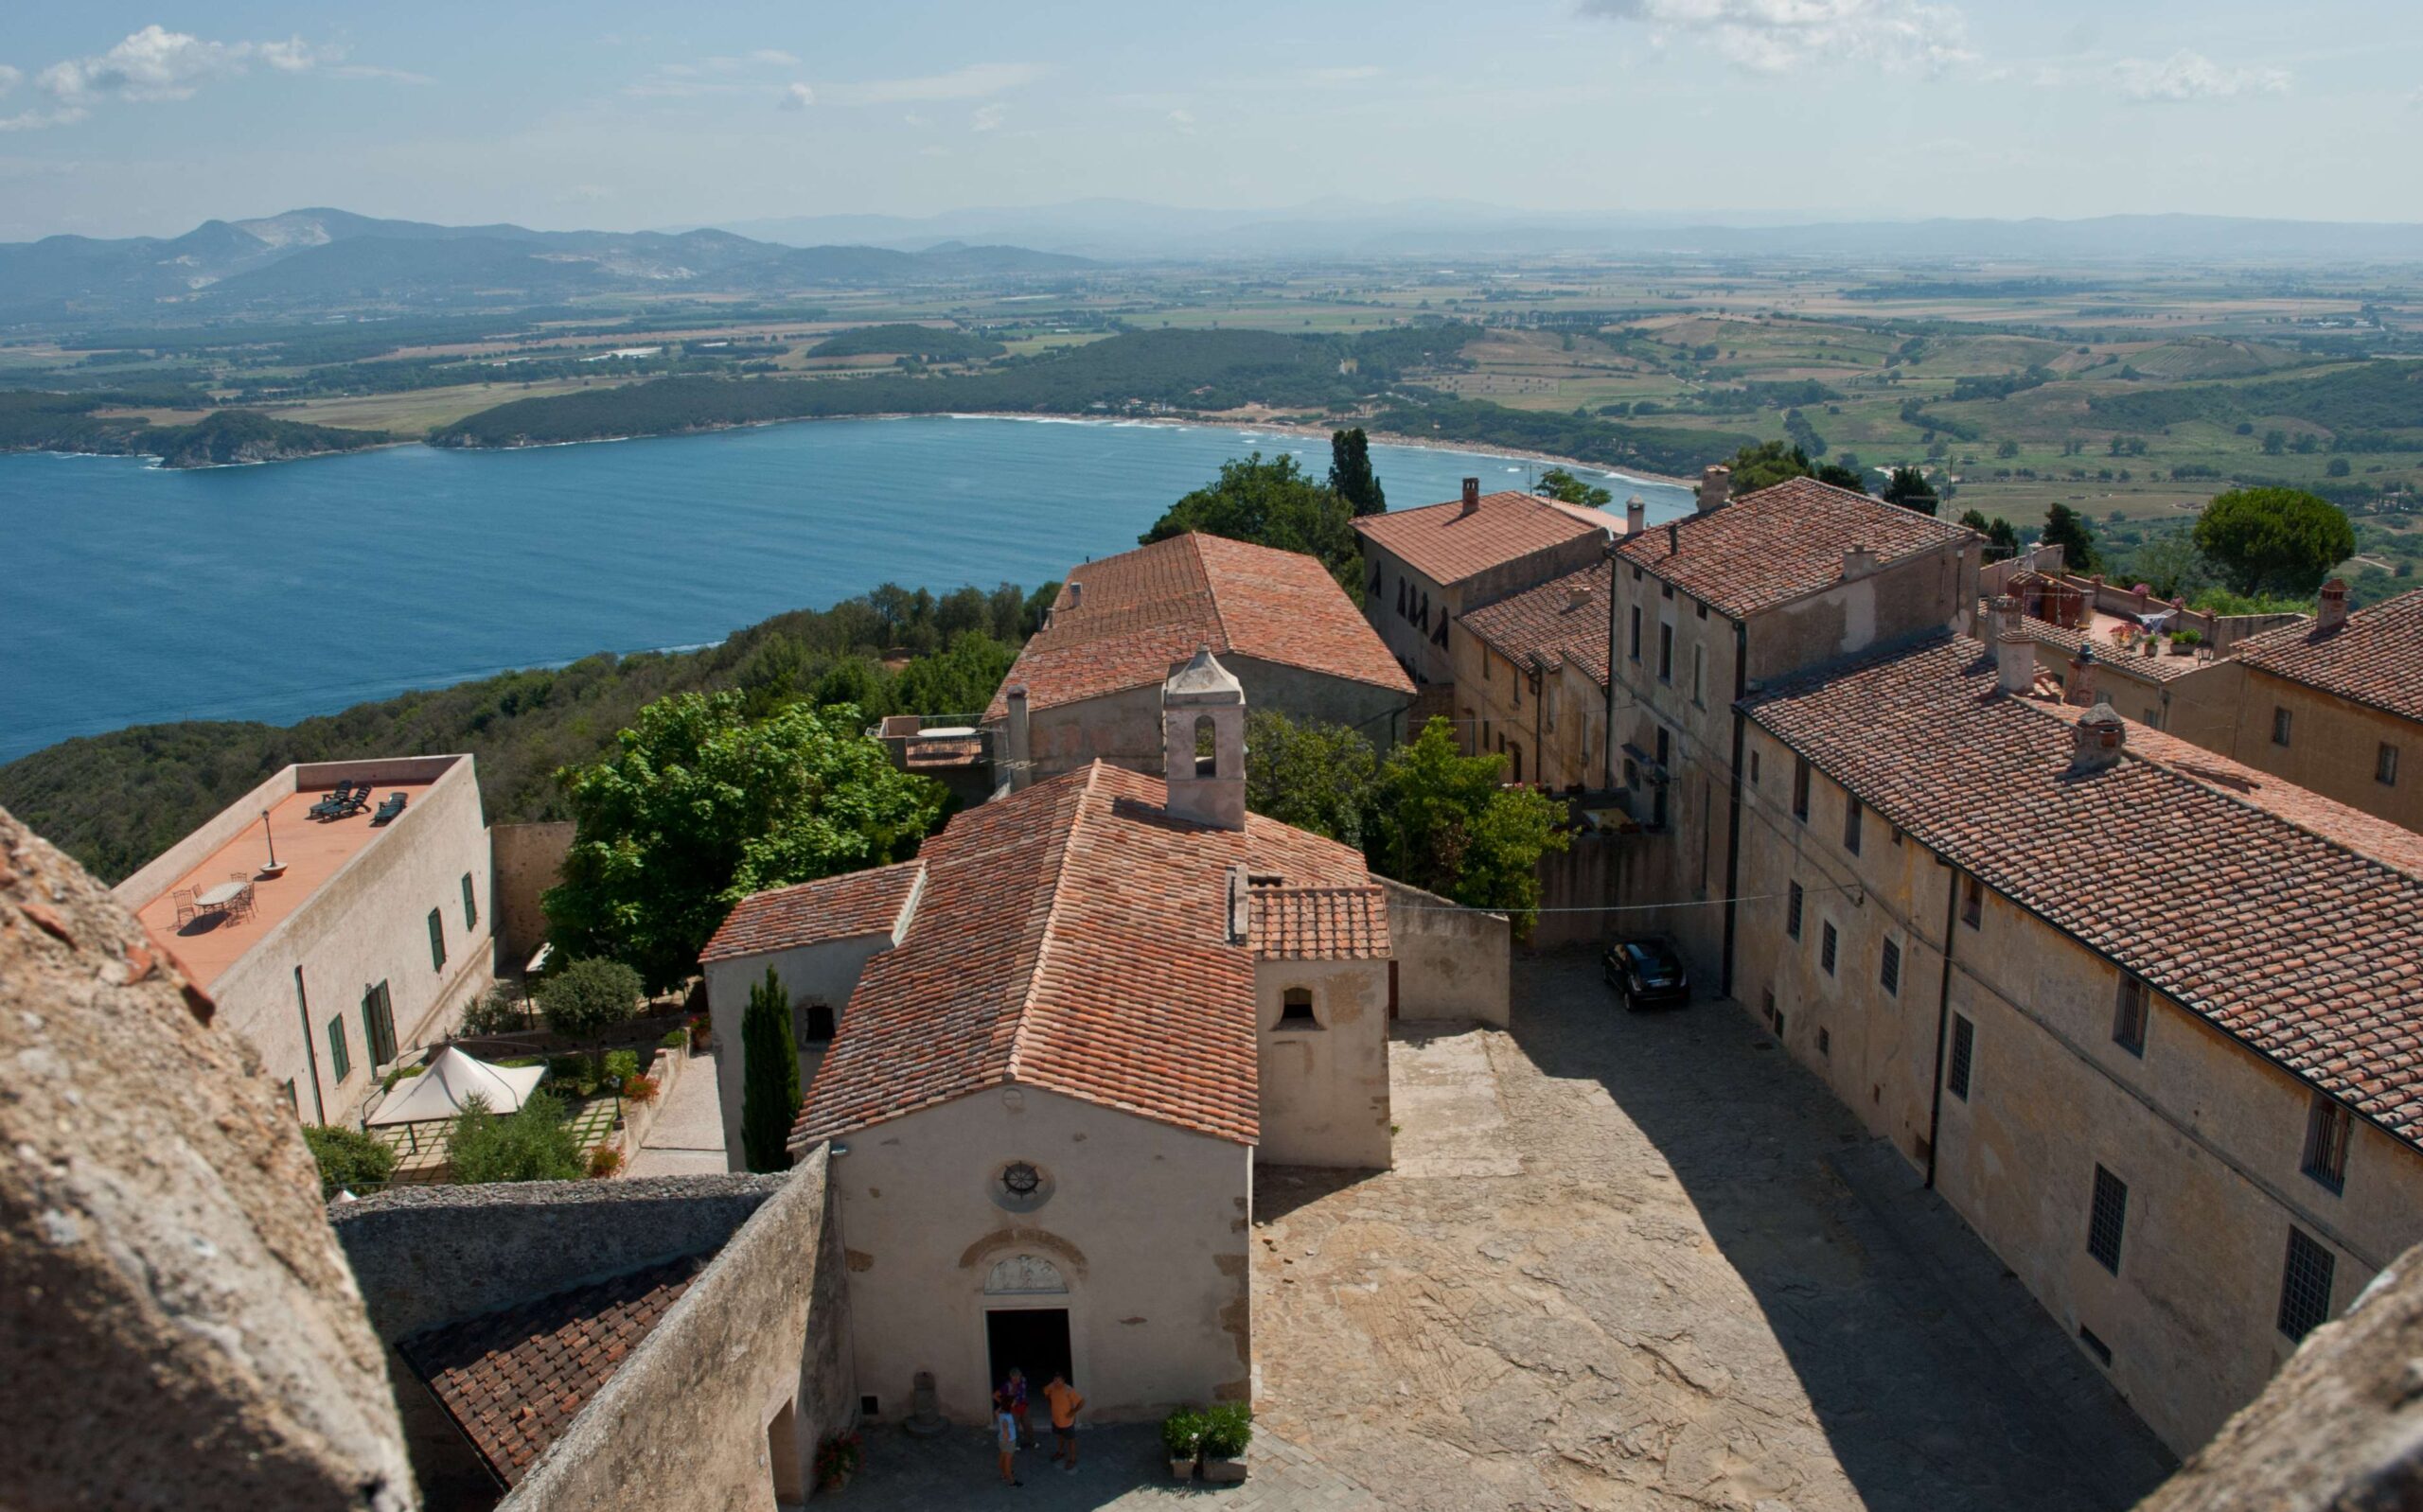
[2305,1285]
[1852,814]
[2129,1022]
[2106,1219]
[1964,1052]
[1792,911]
[1826,950]
[2385,765]
[2281,723]
[1800,789]
[1825,1043]
[2326,1128]
[1889,975]
[1972,901]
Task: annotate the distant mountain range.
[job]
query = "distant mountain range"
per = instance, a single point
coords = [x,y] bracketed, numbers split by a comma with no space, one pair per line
[1114,229]
[323,258]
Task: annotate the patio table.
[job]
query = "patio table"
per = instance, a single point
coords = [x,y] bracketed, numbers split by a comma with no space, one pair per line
[222,895]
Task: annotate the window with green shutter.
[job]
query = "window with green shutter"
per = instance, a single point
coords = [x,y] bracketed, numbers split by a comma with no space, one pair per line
[436,940]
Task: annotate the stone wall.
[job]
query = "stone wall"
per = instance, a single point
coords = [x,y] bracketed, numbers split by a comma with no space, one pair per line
[529,860]
[1452,962]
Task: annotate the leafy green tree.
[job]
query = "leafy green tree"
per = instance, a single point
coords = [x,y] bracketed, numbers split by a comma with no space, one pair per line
[532,1143]
[2275,540]
[2066,527]
[700,806]
[1448,825]
[1767,464]
[1564,486]
[1349,472]
[1909,488]
[349,1160]
[2275,442]
[858,683]
[1841,475]
[2006,450]
[1317,777]
[1037,605]
[585,998]
[2172,565]
[957,681]
[1272,503]
[769,1093]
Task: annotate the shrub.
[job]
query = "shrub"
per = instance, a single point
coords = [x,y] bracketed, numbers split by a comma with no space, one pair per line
[575,1070]
[2185,636]
[532,1144]
[349,1160]
[620,1065]
[402,1073]
[674,1040]
[1227,1429]
[838,1458]
[587,998]
[604,1161]
[502,1011]
[639,1088]
[1182,1432]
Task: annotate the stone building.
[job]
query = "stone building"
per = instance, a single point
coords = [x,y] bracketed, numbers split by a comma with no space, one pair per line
[1530,681]
[2144,1017]
[362,942]
[1424,566]
[1067,1029]
[1087,686]
[1708,609]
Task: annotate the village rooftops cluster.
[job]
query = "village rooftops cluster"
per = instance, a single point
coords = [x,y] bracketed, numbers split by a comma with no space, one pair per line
[2291,922]
[1077,937]
[1450,543]
[1564,618]
[2369,658]
[1122,621]
[1781,543]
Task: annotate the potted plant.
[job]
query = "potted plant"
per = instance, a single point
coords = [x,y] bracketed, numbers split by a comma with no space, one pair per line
[838,1458]
[701,1031]
[1227,1429]
[1182,1435]
[2184,640]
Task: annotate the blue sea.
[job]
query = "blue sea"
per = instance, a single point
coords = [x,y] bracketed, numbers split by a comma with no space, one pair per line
[134,595]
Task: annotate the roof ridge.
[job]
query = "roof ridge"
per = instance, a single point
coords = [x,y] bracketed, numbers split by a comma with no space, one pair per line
[1044,940]
[1210,591]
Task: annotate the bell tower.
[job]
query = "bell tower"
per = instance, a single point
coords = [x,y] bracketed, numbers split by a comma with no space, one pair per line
[1203,743]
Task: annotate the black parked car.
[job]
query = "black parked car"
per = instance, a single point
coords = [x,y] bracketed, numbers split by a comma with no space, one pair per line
[1648,973]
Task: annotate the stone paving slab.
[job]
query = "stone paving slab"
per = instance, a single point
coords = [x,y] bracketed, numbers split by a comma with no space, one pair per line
[1119,1467]
[688,1137]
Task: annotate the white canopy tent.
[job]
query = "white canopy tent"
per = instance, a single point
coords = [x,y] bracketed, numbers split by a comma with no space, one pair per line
[451,1080]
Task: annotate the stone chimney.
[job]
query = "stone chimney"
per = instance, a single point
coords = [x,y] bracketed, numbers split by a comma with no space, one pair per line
[1200,696]
[1716,486]
[1858,562]
[1635,515]
[1472,497]
[2330,610]
[1578,596]
[1673,538]
[2080,688]
[2096,740]
[1018,754]
[2014,648]
[1073,594]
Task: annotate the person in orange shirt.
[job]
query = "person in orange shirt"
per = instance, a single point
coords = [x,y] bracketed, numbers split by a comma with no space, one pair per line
[1065,1404]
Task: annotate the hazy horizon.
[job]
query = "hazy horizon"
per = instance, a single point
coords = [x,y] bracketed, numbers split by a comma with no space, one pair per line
[119,120]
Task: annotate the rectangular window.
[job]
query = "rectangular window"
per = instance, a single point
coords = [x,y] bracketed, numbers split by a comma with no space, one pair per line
[1636,632]
[471,904]
[1825,1043]
[1753,768]
[1893,833]
[1515,683]
[436,940]
[1972,901]
[2280,723]
[1852,815]
[340,1056]
[1826,942]
[2106,1219]
[2385,765]
[1800,789]
[2305,1285]
[1698,676]
[815,1023]
[2129,1023]
[378,1025]
[1767,1005]
[2095,1344]
[2327,1125]
[1792,911]
[1964,1053]
[1889,975]
[1666,652]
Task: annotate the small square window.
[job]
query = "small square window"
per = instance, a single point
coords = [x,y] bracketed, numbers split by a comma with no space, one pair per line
[2305,1285]
[2129,1022]
[2281,723]
[1702,608]
[2327,1125]
[1825,1043]
[1296,1009]
[1894,833]
[1964,1054]
[1792,910]
[2385,765]
[1826,942]
[1889,975]
[1972,901]
[2107,1216]
[815,1023]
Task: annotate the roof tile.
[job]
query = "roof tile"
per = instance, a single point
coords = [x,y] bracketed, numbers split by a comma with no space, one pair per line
[1782,542]
[1563,617]
[855,903]
[1447,546]
[2375,657]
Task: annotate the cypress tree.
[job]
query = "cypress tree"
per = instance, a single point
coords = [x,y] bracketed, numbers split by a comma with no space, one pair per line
[769,1088]
[1349,472]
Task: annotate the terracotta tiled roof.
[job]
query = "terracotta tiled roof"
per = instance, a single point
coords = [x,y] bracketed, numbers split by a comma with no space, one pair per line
[1140,611]
[1548,620]
[2277,916]
[855,903]
[1781,543]
[514,1381]
[1317,923]
[2162,668]
[2375,658]
[1071,936]
[1446,545]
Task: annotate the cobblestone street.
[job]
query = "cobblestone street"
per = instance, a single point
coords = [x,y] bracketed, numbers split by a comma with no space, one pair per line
[1643,1261]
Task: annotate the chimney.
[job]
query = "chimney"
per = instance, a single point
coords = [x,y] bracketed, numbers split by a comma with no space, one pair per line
[1716,486]
[1472,497]
[1020,756]
[2330,611]
[1578,596]
[1635,515]
[2096,740]
[1074,594]
[2080,688]
[2014,648]
[1858,562]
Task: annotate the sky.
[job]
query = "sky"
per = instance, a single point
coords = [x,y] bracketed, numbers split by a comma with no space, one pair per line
[123,120]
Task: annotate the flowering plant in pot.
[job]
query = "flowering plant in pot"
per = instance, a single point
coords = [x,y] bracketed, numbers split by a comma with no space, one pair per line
[1182,1435]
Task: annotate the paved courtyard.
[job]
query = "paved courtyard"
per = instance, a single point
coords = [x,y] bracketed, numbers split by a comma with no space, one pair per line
[1637,1262]
[688,1137]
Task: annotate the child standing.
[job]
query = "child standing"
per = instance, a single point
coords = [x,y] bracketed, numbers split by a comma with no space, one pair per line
[1005,1436]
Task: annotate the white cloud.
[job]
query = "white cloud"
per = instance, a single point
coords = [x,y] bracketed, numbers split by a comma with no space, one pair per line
[796,96]
[2186,76]
[1776,36]
[158,64]
[400,76]
[1340,75]
[8,78]
[987,117]
[975,81]
[776,56]
[36,120]
[912,118]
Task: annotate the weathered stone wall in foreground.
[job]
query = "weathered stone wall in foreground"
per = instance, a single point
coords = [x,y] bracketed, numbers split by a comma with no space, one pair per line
[178,1327]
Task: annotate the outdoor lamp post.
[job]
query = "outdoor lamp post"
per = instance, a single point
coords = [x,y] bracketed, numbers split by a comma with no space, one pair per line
[276,866]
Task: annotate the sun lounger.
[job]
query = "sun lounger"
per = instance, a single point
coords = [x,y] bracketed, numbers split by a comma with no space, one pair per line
[388,810]
[333,804]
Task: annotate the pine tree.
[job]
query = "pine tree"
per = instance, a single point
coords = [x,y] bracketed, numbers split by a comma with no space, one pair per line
[769,1090]
[1349,472]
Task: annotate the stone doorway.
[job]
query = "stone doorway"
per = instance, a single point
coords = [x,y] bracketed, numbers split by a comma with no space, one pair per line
[1035,1340]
